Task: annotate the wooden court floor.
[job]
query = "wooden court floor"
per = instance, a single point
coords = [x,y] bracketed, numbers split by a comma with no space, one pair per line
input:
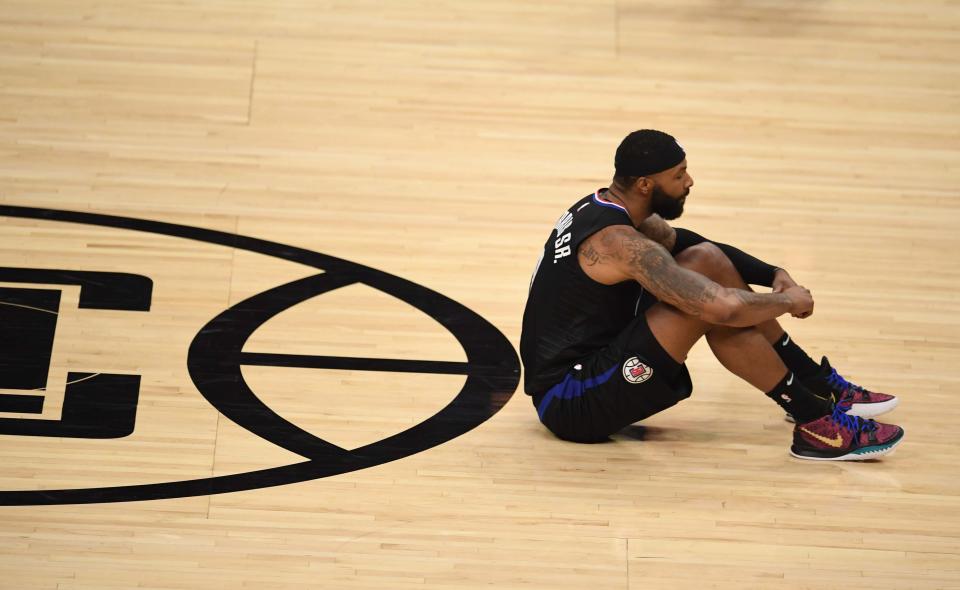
[272,258]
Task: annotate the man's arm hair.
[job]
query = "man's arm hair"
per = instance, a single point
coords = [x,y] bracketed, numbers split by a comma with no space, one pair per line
[753,270]
[652,266]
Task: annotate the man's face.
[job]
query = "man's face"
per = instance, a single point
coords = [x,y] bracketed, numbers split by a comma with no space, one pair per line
[670,190]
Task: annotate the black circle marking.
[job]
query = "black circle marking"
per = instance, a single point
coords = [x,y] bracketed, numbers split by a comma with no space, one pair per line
[492,370]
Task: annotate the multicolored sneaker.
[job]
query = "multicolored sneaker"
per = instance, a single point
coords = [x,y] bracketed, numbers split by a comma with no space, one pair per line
[862,402]
[841,436]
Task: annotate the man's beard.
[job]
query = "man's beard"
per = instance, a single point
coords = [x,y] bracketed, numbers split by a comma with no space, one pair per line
[666,206]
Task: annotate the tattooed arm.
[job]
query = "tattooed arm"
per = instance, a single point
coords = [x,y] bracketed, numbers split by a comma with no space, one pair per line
[619,252]
[658,230]
[753,270]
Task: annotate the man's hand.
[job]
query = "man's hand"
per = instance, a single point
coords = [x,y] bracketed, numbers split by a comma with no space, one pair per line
[801,301]
[782,281]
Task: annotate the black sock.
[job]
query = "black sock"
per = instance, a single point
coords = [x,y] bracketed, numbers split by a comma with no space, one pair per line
[797,400]
[795,358]
[814,376]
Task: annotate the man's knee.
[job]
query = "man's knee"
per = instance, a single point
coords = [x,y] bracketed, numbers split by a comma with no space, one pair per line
[707,259]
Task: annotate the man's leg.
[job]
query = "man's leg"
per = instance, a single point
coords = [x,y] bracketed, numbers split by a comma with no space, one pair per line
[824,381]
[747,352]
[821,379]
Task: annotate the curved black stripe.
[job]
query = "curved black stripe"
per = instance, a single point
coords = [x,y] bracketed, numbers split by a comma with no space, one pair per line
[210,236]
[206,486]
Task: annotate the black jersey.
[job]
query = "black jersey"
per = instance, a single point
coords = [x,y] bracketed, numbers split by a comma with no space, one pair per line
[569,315]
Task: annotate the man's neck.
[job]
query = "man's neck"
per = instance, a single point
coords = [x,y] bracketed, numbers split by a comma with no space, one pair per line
[638,211]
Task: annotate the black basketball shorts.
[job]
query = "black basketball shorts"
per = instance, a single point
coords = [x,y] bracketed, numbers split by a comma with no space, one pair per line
[631,379]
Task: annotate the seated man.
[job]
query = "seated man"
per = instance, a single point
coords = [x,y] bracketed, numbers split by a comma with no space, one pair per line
[619,297]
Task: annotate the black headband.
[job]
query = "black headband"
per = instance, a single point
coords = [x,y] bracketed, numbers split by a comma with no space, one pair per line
[647,152]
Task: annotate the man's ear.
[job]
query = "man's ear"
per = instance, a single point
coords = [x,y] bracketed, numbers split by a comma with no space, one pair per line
[644,185]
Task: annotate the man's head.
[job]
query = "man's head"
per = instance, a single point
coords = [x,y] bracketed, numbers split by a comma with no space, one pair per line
[653,165]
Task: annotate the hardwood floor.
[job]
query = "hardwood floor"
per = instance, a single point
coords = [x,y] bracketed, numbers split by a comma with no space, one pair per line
[325,401]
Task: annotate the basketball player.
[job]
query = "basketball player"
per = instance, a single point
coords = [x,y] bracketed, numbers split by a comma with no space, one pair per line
[619,297]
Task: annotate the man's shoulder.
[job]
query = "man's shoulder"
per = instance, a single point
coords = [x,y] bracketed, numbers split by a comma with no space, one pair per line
[613,237]
[593,211]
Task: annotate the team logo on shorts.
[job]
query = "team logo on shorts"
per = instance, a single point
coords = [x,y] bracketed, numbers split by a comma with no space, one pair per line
[636,372]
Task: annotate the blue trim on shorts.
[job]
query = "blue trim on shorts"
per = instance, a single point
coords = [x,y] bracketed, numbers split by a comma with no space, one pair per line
[572,387]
